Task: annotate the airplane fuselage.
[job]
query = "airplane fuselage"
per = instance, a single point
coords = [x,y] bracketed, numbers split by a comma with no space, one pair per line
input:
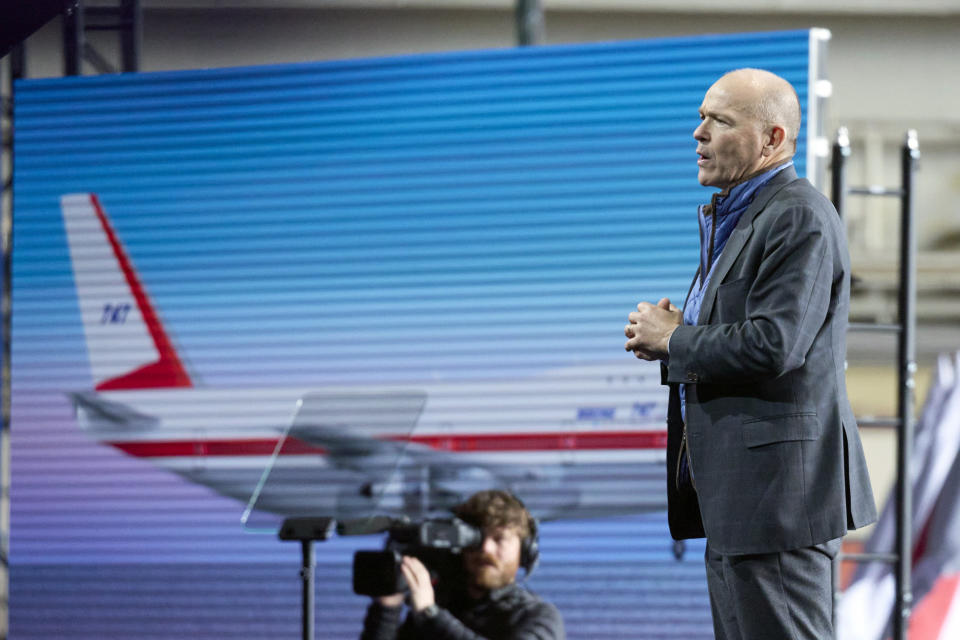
[572,441]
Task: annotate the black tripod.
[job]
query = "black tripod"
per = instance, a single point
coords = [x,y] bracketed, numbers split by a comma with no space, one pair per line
[307,530]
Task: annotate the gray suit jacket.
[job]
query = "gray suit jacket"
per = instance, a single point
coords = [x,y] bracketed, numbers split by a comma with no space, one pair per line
[774,448]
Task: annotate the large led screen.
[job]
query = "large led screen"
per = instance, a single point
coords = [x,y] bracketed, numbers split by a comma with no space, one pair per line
[347,289]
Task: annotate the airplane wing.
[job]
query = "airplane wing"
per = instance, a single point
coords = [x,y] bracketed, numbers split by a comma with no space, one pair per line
[369,434]
[96,413]
[356,428]
[350,451]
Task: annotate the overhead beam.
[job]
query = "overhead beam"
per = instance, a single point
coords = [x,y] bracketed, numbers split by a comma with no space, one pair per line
[773,7]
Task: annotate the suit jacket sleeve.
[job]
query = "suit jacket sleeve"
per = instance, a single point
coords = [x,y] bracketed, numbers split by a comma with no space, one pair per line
[786,305]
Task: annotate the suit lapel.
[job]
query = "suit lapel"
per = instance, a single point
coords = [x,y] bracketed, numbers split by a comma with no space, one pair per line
[738,239]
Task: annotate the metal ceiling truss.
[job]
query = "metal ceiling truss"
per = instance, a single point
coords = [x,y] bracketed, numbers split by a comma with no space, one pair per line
[124,17]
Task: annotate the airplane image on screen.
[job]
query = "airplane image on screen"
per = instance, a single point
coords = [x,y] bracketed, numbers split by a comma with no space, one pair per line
[572,443]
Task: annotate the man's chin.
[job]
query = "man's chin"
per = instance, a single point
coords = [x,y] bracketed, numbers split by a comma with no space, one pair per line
[706,179]
[489,578]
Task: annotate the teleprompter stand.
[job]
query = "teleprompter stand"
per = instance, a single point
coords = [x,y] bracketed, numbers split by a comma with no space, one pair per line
[307,530]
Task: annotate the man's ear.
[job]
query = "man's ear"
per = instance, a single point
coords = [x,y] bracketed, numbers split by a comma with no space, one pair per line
[773,140]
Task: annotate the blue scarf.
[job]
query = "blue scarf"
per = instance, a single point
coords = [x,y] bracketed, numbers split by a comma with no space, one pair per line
[717,221]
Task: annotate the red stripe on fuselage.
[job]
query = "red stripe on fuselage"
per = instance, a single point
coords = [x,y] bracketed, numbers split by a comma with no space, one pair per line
[187,448]
[517,442]
[555,441]
[167,371]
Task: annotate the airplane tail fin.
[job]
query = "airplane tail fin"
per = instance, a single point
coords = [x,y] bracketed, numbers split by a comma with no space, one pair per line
[126,342]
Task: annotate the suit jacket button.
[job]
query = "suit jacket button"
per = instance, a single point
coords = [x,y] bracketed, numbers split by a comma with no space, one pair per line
[692,377]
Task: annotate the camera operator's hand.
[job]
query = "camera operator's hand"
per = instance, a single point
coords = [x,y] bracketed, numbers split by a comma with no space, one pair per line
[419,581]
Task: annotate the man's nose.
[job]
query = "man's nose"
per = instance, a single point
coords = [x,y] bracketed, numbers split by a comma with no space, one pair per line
[700,133]
[489,546]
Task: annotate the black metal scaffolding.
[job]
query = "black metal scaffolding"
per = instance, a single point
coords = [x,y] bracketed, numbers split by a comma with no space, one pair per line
[905,329]
[124,18]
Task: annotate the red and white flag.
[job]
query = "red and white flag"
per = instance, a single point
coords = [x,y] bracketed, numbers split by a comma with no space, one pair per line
[937,617]
[865,607]
[936,568]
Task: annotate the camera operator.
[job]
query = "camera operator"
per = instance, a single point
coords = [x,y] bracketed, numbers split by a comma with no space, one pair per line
[489,603]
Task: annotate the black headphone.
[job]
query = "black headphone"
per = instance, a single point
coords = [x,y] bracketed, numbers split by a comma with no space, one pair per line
[530,547]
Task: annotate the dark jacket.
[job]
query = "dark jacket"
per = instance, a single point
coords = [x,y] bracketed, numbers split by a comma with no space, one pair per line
[508,613]
[774,449]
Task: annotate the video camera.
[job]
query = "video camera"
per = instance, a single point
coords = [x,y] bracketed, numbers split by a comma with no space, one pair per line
[436,542]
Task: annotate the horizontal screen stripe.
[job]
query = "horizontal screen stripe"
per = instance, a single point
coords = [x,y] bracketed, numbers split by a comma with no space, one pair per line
[335,141]
[369,165]
[210,212]
[351,157]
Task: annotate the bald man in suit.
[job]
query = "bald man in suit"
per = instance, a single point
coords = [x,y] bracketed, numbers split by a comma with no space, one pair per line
[764,456]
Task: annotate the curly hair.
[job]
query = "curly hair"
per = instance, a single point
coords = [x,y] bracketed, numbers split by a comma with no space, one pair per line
[495,508]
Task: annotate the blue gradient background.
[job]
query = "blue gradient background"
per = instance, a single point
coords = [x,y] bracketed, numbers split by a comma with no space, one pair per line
[475,215]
